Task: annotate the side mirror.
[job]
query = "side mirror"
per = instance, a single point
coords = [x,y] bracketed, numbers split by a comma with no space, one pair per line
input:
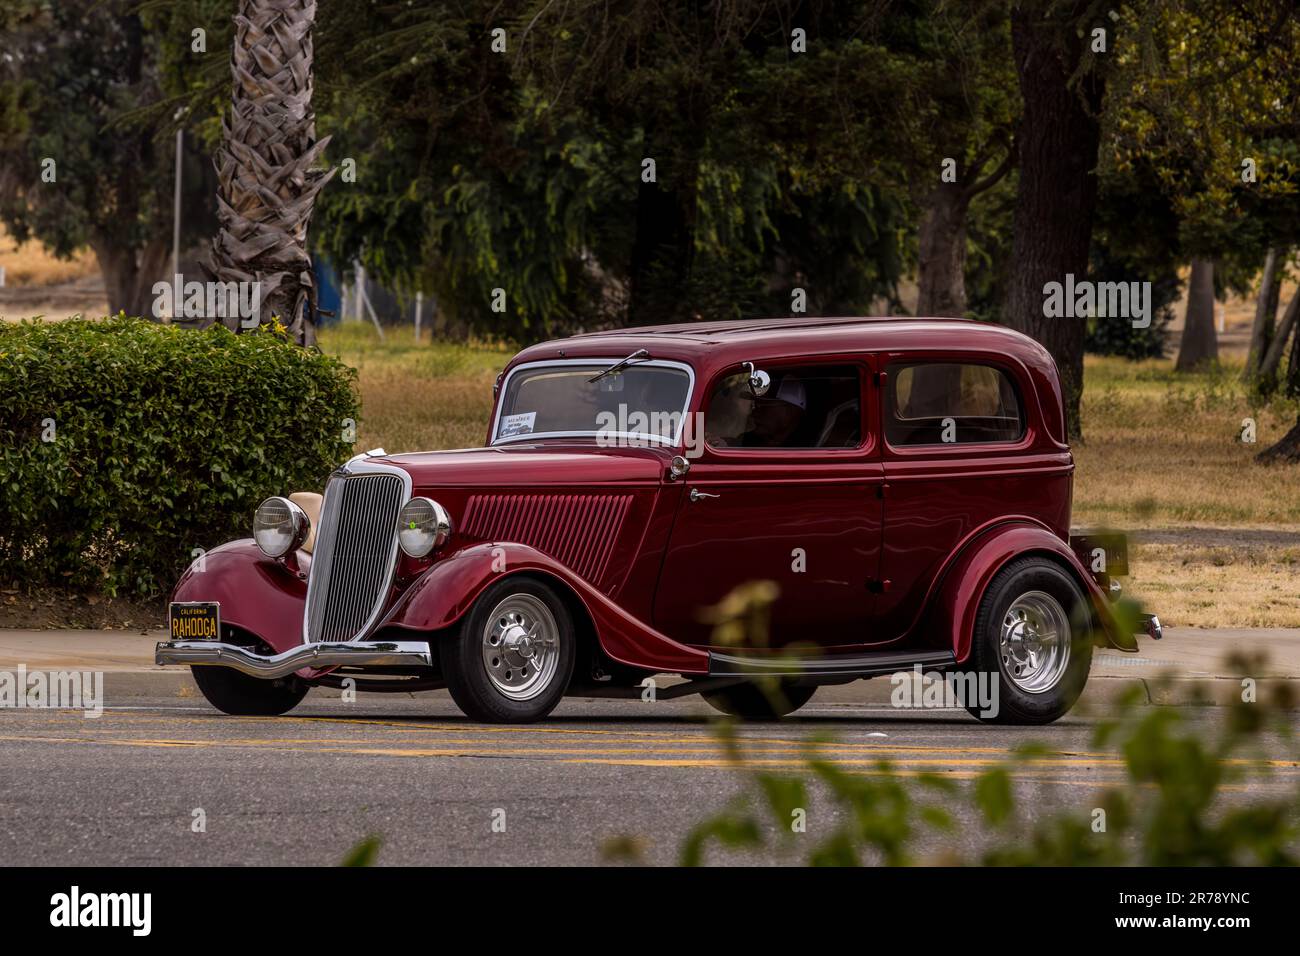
[759,381]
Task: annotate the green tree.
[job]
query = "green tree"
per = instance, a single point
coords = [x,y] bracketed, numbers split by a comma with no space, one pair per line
[1204,110]
[520,170]
[73,172]
[954,118]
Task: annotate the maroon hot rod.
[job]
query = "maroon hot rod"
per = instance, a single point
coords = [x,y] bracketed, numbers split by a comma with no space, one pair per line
[898,489]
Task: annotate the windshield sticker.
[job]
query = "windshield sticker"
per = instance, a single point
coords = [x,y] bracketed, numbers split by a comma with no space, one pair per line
[520,423]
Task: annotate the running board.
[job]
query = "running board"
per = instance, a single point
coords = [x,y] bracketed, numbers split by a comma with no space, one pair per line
[857,665]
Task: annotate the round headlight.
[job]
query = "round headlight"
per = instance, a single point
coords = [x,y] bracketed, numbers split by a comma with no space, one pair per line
[422,526]
[279,526]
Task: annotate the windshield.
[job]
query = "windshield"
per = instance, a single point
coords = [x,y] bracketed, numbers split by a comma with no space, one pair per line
[645,402]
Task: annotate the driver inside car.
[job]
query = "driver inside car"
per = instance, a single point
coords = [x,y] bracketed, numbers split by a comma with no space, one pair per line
[778,416]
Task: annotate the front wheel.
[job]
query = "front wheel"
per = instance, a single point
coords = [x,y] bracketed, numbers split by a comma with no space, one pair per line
[242,695]
[1032,644]
[513,656]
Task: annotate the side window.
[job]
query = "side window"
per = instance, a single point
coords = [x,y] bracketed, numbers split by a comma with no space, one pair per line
[937,403]
[817,406]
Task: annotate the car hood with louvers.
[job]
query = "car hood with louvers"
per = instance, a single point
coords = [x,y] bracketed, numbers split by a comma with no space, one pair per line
[572,504]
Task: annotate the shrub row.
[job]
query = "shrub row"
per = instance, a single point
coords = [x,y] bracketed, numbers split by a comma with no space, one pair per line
[124,445]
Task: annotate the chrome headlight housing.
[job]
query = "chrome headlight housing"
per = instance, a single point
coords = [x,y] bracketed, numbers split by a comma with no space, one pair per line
[279,526]
[423,525]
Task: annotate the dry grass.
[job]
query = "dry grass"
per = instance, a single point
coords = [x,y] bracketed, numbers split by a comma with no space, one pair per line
[1217,586]
[417,397]
[1161,449]
[32,264]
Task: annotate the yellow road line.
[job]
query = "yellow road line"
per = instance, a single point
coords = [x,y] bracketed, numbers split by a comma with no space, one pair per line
[649,757]
[658,736]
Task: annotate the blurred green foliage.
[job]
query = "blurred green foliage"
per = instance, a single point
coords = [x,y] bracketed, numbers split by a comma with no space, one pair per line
[1173,808]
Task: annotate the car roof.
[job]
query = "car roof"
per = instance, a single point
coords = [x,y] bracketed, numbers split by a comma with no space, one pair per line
[726,342]
[710,348]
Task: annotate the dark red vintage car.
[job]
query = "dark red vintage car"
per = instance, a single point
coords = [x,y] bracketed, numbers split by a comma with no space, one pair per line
[889,493]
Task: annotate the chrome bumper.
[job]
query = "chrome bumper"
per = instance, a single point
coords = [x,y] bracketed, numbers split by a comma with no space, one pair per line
[324,654]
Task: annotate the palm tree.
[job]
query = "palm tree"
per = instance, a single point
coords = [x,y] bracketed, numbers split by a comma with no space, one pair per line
[267,169]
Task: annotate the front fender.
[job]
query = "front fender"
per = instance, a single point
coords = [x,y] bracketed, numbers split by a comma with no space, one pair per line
[967,579]
[445,593]
[257,593]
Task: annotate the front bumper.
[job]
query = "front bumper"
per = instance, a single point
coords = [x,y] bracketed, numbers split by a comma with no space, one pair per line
[319,655]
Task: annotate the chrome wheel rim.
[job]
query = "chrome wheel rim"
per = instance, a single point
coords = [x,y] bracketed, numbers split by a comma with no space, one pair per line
[521,647]
[1035,643]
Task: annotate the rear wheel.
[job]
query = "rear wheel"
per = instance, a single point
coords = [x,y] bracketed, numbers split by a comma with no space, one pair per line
[1032,644]
[513,656]
[242,695]
[766,701]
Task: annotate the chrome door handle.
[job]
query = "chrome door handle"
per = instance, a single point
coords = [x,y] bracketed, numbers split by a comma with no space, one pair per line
[696,494]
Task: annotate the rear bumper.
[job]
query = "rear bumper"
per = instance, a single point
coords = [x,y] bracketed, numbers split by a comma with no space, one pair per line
[318,655]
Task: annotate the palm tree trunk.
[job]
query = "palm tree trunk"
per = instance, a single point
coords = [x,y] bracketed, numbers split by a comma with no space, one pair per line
[266,167]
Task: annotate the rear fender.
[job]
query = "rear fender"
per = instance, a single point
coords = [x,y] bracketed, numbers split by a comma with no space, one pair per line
[445,593]
[257,593]
[968,578]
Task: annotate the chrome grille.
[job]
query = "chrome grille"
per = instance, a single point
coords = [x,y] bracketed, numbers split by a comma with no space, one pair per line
[355,554]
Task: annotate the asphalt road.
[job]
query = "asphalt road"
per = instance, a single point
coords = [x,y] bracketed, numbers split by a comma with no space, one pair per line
[303,789]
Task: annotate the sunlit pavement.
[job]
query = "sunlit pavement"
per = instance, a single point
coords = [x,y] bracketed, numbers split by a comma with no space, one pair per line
[124,788]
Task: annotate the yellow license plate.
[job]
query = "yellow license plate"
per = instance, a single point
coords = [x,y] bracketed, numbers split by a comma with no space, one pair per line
[194,620]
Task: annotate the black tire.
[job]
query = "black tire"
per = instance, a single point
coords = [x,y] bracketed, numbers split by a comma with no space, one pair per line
[240,695]
[1025,580]
[755,702]
[466,655]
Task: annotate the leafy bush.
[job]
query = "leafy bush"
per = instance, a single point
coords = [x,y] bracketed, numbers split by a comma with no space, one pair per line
[124,445]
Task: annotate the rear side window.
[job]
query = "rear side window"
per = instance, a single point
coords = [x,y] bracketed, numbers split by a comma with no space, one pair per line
[937,403]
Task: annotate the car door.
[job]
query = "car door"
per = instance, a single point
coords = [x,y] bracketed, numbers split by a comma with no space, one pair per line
[961,450]
[806,519]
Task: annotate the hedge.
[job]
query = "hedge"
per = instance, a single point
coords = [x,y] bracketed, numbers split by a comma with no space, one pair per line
[124,445]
